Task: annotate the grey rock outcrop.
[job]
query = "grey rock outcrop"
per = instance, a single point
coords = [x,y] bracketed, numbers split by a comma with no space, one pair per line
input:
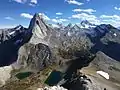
[107,64]
[34,57]
[104,63]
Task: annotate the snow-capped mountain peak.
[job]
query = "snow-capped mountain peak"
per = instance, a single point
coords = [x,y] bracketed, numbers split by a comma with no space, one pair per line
[87,24]
[69,26]
[76,27]
[18,27]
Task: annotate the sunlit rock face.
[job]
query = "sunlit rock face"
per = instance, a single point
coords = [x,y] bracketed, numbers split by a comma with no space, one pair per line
[39,29]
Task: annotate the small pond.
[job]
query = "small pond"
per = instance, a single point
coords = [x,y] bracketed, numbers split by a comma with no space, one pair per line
[23,75]
[54,78]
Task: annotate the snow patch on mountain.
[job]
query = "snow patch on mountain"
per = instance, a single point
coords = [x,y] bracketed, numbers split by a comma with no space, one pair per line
[11,33]
[104,74]
[115,34]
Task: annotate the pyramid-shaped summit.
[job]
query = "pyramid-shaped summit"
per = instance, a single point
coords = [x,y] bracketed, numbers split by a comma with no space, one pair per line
[68,27]
[37,19]
[39,29]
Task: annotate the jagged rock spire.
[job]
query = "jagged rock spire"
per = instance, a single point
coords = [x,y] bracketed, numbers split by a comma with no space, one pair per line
[35,20]
[69,26]
[39,28]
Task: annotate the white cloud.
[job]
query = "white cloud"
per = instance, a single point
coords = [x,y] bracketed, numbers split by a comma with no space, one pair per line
[63,20]
[110,19]
[69,17]
[29,16]
[26,15]
[34,1]
[45,17]
[55,20]
[112,22]
[85,16]
[116,8]
[103,19]
[116,17]
[20,1]
[30,2]
[74,2]
[59,20]
[55,25]
[8,26]
[90,11]
[59,13]
[9,18]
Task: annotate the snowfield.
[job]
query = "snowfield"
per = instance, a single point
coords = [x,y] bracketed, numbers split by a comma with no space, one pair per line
[104,74]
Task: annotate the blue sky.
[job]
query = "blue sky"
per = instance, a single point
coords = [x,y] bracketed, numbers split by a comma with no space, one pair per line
[15,12]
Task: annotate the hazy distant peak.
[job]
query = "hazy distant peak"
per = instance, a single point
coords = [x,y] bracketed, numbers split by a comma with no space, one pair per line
[87,24]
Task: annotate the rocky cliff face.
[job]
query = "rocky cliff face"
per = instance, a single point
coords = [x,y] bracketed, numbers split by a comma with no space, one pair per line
[34,57]
[41,32]
[62,46]
[11,41]
[36,54]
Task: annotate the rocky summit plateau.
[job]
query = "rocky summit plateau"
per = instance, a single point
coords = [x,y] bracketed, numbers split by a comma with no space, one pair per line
[83,56]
